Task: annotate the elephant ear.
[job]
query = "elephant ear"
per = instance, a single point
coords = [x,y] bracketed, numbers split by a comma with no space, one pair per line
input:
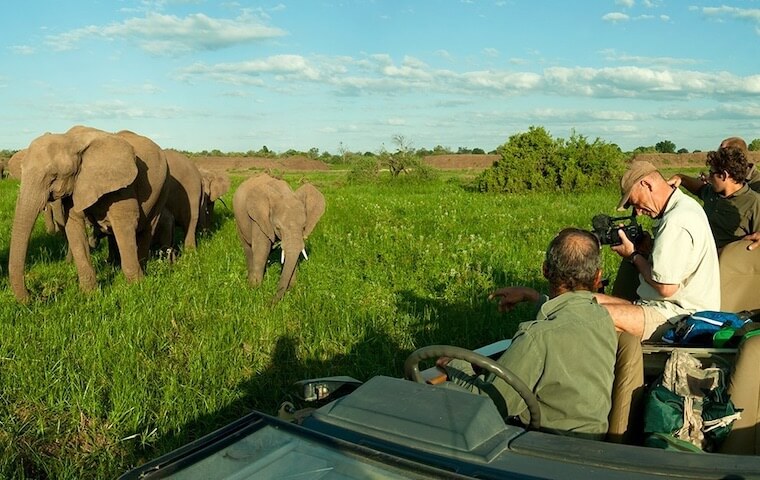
[219,183]
[314,202]
[259,207]
[107,164]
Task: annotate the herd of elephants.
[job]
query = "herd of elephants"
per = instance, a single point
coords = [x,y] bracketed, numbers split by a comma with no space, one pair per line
[89,183]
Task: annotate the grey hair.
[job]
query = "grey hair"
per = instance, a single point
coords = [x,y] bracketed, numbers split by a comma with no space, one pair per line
[573,259]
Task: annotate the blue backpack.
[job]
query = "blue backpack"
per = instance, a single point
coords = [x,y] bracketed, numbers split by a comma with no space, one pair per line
[699,328]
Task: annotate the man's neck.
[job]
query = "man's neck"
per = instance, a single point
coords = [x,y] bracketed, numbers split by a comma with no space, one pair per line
[731,188]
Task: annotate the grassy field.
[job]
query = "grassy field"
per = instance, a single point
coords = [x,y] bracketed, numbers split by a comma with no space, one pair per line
[94,384]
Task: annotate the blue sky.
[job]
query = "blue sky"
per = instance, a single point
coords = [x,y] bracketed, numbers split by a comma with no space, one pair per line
[331,74]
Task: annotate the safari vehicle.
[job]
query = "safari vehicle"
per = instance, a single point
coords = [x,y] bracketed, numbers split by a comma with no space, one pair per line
[411,428]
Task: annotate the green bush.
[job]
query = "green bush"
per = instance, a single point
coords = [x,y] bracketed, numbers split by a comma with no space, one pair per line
[363,170]
[534,161]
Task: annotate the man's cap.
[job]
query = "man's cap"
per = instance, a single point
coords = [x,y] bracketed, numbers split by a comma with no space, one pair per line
[638,170]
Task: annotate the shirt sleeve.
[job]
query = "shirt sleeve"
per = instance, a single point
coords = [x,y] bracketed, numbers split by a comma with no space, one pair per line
[525,358]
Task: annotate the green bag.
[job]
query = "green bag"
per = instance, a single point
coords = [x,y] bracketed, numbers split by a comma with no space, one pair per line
[697,416]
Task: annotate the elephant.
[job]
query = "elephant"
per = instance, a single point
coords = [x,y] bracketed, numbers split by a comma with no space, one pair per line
[190,201]
[215,184]
[3,166]
[266,209]
[184,197]
[115,181]
[14,164]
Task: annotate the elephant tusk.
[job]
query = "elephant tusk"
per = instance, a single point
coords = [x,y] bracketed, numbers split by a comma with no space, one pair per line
[305,257]
[282,257]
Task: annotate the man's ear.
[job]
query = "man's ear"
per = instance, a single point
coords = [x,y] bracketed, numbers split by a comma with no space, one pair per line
[598,280]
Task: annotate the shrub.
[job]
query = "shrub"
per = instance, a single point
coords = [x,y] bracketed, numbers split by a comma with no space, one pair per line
[363,169]
[533,161]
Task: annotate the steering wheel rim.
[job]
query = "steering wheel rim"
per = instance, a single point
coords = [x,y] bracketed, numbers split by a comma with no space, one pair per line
[412,372]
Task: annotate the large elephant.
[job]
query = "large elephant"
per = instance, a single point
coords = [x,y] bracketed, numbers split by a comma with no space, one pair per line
[116,181]
[266,209]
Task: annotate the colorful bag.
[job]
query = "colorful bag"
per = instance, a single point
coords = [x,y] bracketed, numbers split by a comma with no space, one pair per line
[699,328]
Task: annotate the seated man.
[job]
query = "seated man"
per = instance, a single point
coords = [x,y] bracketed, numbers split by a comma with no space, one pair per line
[681,274]
[732,208]
[567,355]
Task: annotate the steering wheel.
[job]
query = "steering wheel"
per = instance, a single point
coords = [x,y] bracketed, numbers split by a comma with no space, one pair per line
[412,372]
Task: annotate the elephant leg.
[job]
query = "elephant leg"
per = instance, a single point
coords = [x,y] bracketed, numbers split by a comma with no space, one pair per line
[192,226]
[123,216]
[77,238]
[257,261]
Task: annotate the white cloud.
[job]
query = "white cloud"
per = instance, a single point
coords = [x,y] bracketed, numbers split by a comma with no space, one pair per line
[380,75]
[171,35]
[22,49]
[615,17]
[491,52]
[625,3]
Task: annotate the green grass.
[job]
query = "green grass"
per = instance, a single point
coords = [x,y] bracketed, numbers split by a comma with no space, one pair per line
[94,384]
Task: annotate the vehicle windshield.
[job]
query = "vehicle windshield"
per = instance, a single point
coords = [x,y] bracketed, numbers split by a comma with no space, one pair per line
[274,453]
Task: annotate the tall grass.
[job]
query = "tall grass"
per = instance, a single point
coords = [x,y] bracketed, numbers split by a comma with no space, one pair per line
[94,384]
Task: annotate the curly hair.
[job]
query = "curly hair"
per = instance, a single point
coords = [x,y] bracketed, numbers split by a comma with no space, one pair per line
[731,160]
[573,259]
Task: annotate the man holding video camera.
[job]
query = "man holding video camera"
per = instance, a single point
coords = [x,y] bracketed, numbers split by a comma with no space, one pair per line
[680,275]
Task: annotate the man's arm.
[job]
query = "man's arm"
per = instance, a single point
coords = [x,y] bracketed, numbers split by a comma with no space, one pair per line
[509,297]
[628,252]
[692,184]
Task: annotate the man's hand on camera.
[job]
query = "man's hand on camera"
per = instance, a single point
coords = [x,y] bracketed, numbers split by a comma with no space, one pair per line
[626,248]
[508,297]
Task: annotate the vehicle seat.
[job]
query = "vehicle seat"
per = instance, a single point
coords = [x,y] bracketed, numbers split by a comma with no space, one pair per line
[625,418]
[744,389]
[739,277]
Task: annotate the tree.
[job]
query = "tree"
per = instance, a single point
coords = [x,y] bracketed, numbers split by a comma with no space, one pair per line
[665,146]
[478,151]
[754,145]
[683,150]
[403,157]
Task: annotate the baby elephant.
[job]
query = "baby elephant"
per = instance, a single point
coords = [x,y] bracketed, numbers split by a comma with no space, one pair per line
[267,210]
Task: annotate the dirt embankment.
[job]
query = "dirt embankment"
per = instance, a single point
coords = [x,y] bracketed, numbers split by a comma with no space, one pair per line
[248,164]
[301,163]
[443,162]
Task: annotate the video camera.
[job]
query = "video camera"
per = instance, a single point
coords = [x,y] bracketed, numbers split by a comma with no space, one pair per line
[606,229]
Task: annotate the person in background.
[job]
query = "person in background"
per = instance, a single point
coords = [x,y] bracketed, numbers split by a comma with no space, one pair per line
[732,208]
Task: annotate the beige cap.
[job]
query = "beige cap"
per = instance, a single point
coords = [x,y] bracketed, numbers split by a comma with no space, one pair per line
[638,170]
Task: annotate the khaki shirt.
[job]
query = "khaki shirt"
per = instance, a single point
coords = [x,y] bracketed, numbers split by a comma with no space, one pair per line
[567,358]
[732,217]
[753,177]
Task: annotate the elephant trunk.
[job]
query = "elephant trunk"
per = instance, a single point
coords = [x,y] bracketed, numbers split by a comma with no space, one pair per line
[291,250]
[28,207]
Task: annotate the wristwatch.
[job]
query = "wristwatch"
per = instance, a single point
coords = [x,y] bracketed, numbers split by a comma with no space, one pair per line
[632,257]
